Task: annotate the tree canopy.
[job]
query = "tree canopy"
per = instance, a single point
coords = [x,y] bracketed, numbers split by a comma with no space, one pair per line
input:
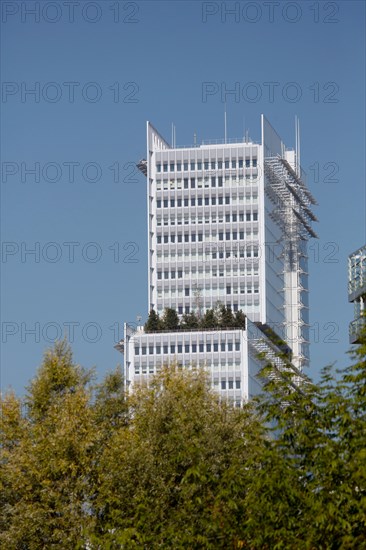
[83,465]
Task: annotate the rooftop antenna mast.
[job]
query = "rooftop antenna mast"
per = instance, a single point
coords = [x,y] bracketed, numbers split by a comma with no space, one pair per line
[173,135]
[225,124]
[297,145]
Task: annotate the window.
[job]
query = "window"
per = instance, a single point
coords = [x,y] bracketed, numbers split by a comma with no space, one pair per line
[219,164]
[185,183]
[221,236]
[227,164]
[240,163]
[247,216]
[213,181]
[179,166]
[247,163]
[165,167]
[208,347]
[192,165]
[194,348]
[185,202]
[186,291]
[255,163]
[180,348]
[237,384]
[193,183]
[172,202]
[201,348]
[213,200]
[158,349]
[172,166]
[158,239]
[137,350]
[151,350]
[199,165]
[255,216]
[228,289]
[186,348]
[185,165]
[237,346]
[216,346]
[172,348]
[143,350]
[220,181]
[221,200]
[179,203]
[165,203]
[223,384]
[213,165]
[227,199]
[158,203]
[230,346]
[206,165]
[233,163]
[223,346]
[193,201]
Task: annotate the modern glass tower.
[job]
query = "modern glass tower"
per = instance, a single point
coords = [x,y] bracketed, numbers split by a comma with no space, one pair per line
[357,291]
[227,223]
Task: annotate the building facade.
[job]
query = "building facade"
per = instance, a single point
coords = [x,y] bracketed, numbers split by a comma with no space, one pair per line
[227,223]
[357,291]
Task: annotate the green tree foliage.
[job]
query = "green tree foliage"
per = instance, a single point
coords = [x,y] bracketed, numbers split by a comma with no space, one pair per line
[189,321]
[219,317]
[82,466]
[170,319]
[209,319]
[153,323]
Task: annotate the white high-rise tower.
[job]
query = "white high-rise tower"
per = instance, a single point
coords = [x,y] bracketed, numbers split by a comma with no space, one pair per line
[227,223]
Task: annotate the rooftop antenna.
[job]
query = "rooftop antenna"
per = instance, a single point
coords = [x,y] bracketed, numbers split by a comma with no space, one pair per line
[297,145]
[195,138]
[173,135]
[225,124]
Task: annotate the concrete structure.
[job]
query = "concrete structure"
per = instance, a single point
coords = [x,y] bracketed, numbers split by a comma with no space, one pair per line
[228,223]
[357,291]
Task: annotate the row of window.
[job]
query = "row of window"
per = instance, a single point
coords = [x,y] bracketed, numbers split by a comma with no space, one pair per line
[205,165]
[219,217]
[216,252]
[222,235]
[187,348]
[200,201]
[249,178]
[243,288]
[248,303]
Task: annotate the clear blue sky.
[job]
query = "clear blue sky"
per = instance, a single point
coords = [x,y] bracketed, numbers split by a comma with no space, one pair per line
[99,74]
